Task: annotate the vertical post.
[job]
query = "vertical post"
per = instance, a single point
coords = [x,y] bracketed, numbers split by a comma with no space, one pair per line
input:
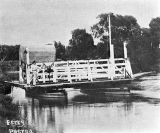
[43,76]
[79,75]
[20,72]
[127,62]
[109,19]
[21,80]
[69,73]
[112,67]
[125,50]
[76,71]
[125,57]
[27,66]
[89,72]
[54,74]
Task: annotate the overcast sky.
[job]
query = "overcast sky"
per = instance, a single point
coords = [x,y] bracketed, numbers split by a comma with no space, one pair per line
[45,21]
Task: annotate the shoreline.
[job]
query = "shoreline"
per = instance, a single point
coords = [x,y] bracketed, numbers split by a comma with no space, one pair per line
[138,75]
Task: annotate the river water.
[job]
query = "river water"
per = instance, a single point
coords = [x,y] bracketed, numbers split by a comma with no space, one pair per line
[94,111]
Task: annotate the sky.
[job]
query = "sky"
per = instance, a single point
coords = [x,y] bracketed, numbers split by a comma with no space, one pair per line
[45,21]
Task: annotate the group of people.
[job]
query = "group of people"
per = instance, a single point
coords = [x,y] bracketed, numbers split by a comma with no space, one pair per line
[34,69]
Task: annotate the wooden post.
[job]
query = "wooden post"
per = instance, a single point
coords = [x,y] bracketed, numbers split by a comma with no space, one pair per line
[127,62]
[89,72]
[112,67]
[69,73]
[125,57]
[27,66]
[125,50]
[79,75]
[128,68]
[21,65]
[110,44]
[43,74]
[55,74]
[20,72]
[76,71]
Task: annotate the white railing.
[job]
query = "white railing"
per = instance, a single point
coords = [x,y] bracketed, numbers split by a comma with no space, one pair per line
[69,71]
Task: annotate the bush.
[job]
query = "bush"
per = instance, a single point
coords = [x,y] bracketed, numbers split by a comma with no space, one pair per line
[7,108]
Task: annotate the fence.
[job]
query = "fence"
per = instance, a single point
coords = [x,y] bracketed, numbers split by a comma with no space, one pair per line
[82,70]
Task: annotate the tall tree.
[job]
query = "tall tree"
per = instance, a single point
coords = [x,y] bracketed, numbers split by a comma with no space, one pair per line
[122,27]
[80,45]
[155,31]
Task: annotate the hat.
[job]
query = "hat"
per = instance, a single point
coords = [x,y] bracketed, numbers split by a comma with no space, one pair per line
[34,62]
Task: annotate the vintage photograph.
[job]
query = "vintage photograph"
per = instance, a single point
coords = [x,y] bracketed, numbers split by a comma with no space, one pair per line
[79,66]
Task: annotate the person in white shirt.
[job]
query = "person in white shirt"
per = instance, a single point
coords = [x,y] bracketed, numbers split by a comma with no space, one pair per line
[34,69]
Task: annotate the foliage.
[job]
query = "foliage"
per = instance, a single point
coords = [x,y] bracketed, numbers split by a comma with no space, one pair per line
[9,52]
[9,70]
[7,108]
[60,50]
[101,49]
[123,28]
[80,45]
[155,25]
[155,32]
[140,50]
[141,41]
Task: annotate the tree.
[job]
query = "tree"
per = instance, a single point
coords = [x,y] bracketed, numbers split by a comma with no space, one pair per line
[60,50]
[155,31]
[9,52]
[101,50]
[122,27]
[3,52]
[80,45]
[139,40]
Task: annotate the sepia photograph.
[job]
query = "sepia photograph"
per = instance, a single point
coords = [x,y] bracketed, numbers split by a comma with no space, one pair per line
[79,66]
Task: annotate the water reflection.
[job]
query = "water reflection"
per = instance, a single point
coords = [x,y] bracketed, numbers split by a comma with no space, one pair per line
[95,117]
[108,98]
[91,111]
[42,117]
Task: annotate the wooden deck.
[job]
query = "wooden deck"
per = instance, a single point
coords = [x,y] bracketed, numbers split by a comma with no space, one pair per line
[104,83]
